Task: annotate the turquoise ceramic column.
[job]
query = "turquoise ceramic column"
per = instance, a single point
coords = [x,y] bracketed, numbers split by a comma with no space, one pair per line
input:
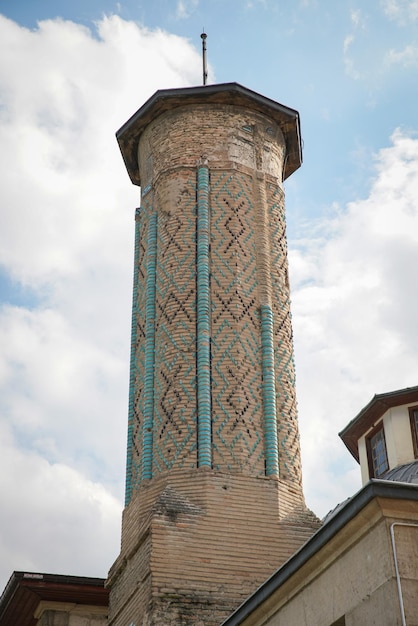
[266,315]
[132,377]
[149,348]
[269,390]
[203,321]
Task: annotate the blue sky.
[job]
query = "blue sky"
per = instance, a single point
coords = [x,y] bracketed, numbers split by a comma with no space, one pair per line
[340,64]
[70,75]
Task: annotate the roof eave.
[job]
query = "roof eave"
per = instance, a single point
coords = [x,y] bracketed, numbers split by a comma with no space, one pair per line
[129,134]
[372,412]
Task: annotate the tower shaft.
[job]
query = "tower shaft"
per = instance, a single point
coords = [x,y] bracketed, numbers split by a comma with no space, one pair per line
[214,499]
[212,379]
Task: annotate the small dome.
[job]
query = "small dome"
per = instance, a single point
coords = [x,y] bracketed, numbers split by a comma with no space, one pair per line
[407,473]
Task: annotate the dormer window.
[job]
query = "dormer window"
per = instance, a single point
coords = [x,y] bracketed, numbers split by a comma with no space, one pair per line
[376,452]
[384,435]
[413,417]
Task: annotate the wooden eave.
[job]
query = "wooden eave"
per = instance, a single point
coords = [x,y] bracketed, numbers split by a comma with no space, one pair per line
[372,412]
[25,591]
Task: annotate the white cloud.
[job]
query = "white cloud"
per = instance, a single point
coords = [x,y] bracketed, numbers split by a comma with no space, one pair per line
[59,121]
[66,232]
[349,63]
[407,57]
[185,8]
[358,23]
[357,19]
[402,11]
[354,297]
[347,43]
[50,513]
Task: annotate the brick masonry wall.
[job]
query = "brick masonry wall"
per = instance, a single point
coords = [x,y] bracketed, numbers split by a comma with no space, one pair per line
[241,238]
[209,538]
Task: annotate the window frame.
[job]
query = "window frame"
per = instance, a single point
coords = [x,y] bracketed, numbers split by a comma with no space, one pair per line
[379,427]
[414,428]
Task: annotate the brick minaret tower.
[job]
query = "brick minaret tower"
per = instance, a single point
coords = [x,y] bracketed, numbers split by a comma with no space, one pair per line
[214,499]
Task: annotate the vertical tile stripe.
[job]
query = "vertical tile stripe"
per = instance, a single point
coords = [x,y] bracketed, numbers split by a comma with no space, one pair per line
[267,341]
[269,390]
[131,406]
[203,321]
[149,348]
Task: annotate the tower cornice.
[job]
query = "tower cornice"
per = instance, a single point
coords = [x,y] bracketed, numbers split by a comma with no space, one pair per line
[222,94]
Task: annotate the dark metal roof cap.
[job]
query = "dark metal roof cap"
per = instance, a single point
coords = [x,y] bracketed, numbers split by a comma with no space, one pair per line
[226,93]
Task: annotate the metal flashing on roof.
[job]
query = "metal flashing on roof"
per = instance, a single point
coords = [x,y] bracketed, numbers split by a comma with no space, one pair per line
[224,94]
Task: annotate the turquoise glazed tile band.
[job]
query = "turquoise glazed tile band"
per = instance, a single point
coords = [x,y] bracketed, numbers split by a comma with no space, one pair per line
[132,372]
[269,390]
[149,348]
[204,435]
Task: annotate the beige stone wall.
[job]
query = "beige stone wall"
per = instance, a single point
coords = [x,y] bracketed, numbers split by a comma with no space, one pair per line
[61,614]
[353,575]
[344,586]
[406,549]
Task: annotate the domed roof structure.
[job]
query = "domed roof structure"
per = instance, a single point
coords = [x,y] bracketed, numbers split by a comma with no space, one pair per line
[407,473]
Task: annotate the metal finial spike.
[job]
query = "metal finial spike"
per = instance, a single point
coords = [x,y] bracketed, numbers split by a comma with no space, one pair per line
[205,69]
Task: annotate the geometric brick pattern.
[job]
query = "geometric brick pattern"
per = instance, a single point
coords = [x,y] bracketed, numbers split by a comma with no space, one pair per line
[236,368]
[287,425]
[236,374]
[237,272]
[174,436]
[137,374]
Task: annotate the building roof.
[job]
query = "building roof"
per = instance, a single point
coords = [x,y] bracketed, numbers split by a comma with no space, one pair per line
[25,591]
[406,473]
[225,94]
[340,518]
[372,412]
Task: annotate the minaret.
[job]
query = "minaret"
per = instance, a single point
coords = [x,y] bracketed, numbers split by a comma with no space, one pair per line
[214,499]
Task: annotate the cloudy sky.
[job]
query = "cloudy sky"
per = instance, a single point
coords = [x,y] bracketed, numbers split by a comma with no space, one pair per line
[70,75]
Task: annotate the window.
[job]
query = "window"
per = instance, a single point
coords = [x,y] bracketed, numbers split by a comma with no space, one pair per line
[413,416]
[376,452]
